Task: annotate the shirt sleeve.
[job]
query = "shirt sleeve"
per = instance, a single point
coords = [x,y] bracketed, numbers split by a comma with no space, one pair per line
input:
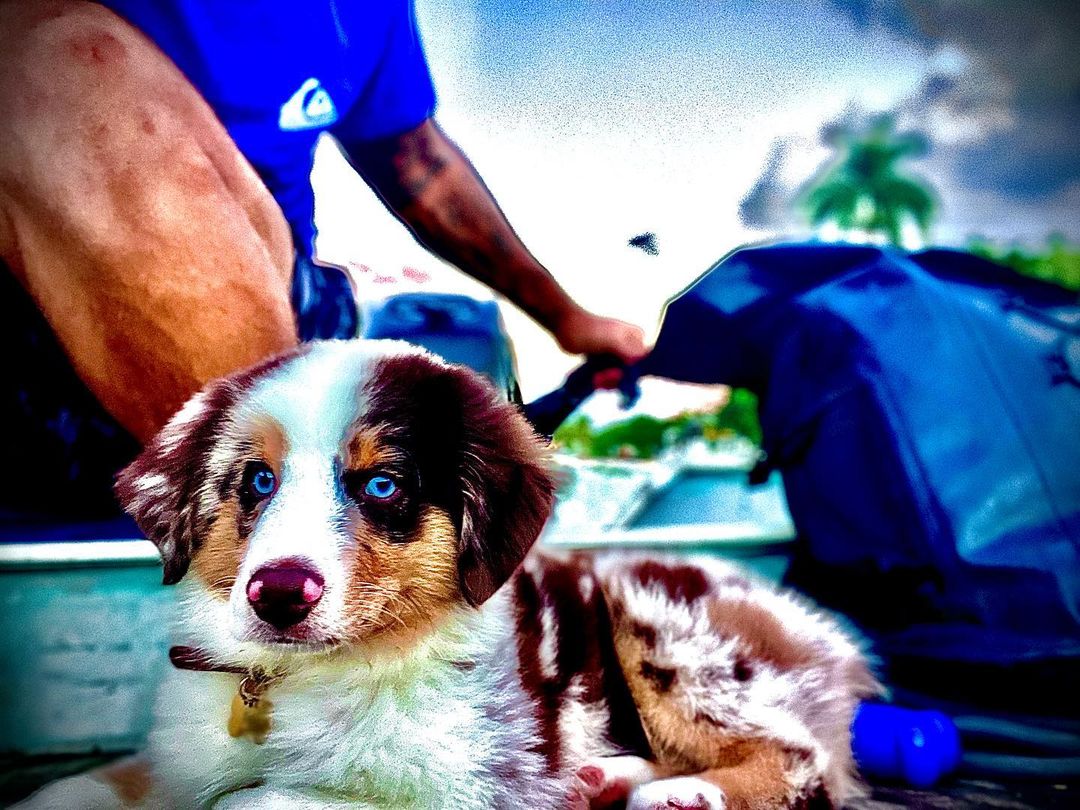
[399,95]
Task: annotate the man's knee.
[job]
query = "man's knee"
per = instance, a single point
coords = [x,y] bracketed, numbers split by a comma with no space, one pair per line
[61,56]
[102,131]
[78,85]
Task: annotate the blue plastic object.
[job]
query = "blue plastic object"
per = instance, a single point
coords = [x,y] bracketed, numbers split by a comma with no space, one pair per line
[456,327]
[917,747]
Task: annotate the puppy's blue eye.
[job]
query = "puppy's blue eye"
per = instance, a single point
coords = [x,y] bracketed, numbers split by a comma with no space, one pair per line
[380,487]
[263,482]
[260,480]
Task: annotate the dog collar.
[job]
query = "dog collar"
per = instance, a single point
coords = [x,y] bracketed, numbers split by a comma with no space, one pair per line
[196,660]
[250,713]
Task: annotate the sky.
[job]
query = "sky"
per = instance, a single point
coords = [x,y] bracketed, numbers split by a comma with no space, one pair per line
[593,121]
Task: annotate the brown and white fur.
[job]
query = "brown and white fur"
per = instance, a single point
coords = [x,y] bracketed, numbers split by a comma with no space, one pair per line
[435,670]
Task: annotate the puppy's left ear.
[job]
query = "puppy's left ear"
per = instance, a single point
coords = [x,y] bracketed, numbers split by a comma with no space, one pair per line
[478,458]
[506,484]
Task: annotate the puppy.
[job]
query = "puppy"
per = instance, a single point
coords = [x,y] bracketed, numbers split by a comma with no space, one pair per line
[347,525]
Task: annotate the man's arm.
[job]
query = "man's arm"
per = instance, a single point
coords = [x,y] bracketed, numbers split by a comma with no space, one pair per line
[431,186]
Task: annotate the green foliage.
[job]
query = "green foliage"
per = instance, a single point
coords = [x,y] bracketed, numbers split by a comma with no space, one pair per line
[575,436]
[738,417]
[1058,262]
[862,190]
[639,436]
[645,437]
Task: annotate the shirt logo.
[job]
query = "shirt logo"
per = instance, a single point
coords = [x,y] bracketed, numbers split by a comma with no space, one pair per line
[307,108]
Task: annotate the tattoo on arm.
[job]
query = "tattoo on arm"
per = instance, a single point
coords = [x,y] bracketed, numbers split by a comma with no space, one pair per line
[400,168]
[426,166]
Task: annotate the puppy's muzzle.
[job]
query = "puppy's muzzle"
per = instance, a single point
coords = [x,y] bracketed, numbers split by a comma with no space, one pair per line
[283,594]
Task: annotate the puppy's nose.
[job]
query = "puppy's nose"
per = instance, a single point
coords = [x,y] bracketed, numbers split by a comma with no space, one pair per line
[284,593]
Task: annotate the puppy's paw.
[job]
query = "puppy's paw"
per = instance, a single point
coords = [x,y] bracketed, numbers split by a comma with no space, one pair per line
[679,793]
[607,781]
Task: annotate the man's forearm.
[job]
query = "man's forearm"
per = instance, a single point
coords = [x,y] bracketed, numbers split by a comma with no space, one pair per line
[431,186]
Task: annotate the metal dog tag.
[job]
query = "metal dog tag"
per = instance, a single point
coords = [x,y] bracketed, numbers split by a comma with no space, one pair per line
[250,713]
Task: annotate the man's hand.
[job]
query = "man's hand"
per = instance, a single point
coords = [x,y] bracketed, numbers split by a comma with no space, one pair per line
[582,332]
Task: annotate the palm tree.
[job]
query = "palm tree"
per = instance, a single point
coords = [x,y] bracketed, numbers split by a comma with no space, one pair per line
[862,190]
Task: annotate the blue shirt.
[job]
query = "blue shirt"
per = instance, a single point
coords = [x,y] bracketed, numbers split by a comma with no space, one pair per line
[279,72]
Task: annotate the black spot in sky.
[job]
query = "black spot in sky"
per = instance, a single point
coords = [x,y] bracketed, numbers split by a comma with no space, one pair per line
[646,242]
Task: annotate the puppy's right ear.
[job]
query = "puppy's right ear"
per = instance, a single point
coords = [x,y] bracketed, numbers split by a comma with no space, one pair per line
[164,489]
[175,487]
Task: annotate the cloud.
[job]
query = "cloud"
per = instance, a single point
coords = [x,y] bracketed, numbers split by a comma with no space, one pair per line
[1003,105]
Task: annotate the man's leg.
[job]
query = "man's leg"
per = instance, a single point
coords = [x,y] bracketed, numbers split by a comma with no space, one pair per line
[154,251]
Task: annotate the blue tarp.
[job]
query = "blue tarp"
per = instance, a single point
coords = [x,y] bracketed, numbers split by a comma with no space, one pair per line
[924,411]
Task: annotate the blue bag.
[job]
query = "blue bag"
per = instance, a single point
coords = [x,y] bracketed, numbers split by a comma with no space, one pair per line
[924,411]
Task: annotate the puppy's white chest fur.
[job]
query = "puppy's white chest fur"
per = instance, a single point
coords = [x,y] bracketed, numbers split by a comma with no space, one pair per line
[393,741]
[423,729]
[414,734]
